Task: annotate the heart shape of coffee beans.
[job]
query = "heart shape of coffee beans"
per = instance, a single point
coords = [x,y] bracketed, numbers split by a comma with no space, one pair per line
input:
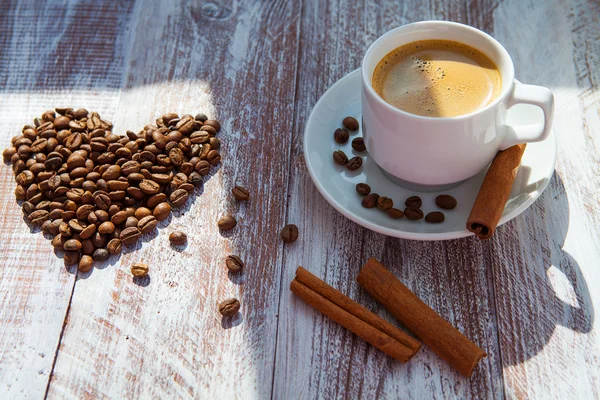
[94,190]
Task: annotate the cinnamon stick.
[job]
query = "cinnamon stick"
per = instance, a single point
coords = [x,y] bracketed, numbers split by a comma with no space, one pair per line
[419,318]
[349,305]
[369,333]
[494,192]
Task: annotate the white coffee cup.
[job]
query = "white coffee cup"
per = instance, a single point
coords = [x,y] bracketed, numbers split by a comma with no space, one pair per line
[433,153]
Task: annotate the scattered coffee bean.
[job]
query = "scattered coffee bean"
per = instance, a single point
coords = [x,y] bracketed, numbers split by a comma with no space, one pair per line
[341,135]
[413,213]
[358,144]
[413,202]
[435,217]
[350,123]
[240,193]
[85,264]
[289,233]
[177,238]
[384,203]
[354,163]
[234,263]
[340,157]
[395,213]
[139,270]
[229,307]
[363,189]
[370,200]
[445,201]
[226,223]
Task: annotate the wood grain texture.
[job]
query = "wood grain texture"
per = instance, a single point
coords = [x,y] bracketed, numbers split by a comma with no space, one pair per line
[527,297]
[41,67]
[164,338]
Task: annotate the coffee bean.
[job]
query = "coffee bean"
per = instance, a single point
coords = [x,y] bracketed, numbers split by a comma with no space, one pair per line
[86,263]
[435,217]
[213,157]
[363,189]
[413,202]
[395,213]
[354,163]
[114,246]
[72,245]
[234,263]
[385,203]
[102,200]
[147,223]
[188,187]
[38,217]
[340,157]
[162,211]
[106,228]
[341,135]
[358,144]
[203,167]
[130,235]
[215,143]
[370,200]
[118,218]
[413,213]
[350,123]
[177,238]
[139,270]
[201,117]
[226,223]
[25,178]
[229,307]
[176,156]
[101,255]
[289,233]
[71,257]
[445,201]
[142,212]
[88,231]
[130,167]
[149,187]
[240,193]
[76,226]
[179,197]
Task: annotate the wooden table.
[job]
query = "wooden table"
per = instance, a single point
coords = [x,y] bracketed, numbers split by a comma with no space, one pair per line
[527,296]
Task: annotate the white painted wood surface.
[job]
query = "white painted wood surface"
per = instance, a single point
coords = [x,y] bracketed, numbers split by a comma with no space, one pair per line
[528,296]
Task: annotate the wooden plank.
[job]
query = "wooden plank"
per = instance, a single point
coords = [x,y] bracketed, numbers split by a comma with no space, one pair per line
[236,62]
[317,358]
[545,262]
[51,54]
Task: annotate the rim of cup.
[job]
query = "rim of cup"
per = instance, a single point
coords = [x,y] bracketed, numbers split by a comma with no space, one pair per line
[506,70]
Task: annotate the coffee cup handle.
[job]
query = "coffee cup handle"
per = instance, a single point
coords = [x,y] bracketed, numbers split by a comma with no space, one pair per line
[537,96]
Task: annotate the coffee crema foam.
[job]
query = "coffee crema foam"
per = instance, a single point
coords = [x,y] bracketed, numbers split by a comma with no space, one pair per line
[437,78]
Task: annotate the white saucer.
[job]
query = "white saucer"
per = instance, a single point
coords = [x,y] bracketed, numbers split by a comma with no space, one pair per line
[337,184]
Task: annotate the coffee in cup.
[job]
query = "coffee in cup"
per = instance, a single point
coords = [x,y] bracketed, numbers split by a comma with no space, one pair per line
[437,78]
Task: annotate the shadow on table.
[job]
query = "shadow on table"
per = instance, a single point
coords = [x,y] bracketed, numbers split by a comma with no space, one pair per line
[535,309]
